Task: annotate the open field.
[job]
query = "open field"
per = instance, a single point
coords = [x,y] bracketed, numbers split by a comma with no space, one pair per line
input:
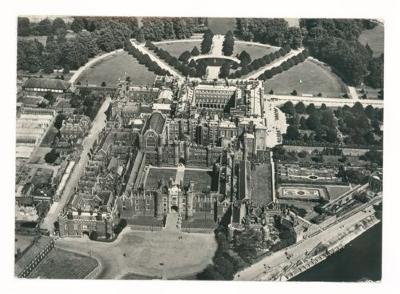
[307,77]
[177,48]
[253,50]
[374,38]
[151,254]
[117,67]
[61,264]
[220,25]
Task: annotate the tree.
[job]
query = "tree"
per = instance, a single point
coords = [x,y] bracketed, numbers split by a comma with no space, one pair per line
[310,108]
[224,70]
[228,44]
[288,108]
[44,27]
[59,121]
[24,26]
[294,37]
[207,42]
[184,57]
[77,24]
[244,58]
[195,51]
[300,107]
[49,96]
[292,133]
[52,156]
[313,122]
[58,24]
[192,63]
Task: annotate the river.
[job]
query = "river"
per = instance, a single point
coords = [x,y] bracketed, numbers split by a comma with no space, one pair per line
[360,260]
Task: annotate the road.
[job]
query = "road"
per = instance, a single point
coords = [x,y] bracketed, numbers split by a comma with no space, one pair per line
[277,259]
[97,125]
[276,62]
[91,62]
[217,44]
[318,101]
[155,58]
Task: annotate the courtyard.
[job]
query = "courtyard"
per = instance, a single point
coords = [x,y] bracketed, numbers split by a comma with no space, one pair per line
[158,254]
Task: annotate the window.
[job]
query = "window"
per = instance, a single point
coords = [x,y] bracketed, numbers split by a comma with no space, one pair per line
[84,227]
[136,207]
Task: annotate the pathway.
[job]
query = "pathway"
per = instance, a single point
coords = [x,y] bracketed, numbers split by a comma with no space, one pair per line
[318,101]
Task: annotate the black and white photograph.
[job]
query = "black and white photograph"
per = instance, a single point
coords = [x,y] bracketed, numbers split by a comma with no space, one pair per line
[198,148]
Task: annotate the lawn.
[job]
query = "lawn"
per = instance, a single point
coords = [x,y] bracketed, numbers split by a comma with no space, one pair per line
[117,67]
[177,48]
[150,254]
[156,174]
[261,190]
[335,191]
[202,179]
[255,51]
[307,77]
[220,25]
[61,264]
[374,38]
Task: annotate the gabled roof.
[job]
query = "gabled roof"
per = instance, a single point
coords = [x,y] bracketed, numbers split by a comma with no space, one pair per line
[46,83]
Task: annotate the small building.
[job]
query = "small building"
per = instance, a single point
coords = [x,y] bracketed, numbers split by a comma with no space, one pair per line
[40,86]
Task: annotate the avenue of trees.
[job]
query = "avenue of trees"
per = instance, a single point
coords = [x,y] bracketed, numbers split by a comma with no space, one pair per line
[145,60]
[181,64]
[269,73]
[249,66]
[348,126]
[335,41]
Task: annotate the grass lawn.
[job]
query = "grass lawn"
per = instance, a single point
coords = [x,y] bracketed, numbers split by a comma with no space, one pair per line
[155,174]
[116,67]
[61,264]
[220,25]
[335,191]
[374,38]
[177,48]
[201,179]
[253,50]
[261,190]
[146,253]
[314,79]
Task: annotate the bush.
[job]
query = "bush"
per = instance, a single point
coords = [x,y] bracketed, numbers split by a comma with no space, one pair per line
[52,156]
